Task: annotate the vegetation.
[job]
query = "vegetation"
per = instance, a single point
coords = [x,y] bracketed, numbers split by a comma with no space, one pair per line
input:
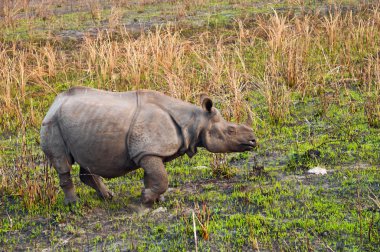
[308,71]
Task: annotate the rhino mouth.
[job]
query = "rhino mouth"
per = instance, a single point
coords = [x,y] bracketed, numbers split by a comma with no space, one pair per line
[250,145]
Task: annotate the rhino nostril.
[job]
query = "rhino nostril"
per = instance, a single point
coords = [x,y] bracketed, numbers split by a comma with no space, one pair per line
[253,142]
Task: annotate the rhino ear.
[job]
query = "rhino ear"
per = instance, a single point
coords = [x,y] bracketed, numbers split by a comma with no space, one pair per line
[206,102]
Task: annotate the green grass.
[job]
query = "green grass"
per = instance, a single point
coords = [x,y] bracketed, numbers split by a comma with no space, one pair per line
[262,200]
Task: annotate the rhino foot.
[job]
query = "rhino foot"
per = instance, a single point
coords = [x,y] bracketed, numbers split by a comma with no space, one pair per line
[70,195]
[71,200]
[95,182]
[149,197]
[106,195]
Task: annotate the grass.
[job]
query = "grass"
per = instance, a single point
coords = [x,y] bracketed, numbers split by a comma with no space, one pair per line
[289,213]
[308,72]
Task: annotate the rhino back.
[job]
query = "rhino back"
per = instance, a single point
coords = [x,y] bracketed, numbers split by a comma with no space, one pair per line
[94,126]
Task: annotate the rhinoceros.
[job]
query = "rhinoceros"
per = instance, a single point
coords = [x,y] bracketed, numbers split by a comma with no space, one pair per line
[112,133]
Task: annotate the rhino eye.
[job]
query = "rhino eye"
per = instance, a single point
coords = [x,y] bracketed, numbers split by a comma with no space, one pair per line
[231,130]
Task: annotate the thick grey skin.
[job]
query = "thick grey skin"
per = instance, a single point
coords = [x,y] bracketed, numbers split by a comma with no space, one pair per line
[109,134]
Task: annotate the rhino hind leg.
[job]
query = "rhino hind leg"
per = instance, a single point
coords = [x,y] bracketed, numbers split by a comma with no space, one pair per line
[95,182]
[54,147]
[155,179]
[68,188]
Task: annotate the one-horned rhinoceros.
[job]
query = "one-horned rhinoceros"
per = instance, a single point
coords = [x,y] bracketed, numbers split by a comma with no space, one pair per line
[109,134]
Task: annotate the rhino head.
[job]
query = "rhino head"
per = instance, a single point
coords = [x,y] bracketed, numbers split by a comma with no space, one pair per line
[220,136]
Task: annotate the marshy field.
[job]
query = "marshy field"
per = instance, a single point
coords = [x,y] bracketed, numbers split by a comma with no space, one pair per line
[308,70]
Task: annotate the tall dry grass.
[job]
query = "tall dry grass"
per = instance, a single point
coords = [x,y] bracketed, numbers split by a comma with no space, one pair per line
[302,53]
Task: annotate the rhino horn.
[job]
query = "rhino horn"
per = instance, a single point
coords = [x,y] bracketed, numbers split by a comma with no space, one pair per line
[206,102]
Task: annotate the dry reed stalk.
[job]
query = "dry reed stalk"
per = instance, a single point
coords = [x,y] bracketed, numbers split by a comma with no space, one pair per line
[279,73]
[166,47]
[276,30]
[235,87]
[43,10]
[371,75]
[144,62]
[95,9]
[278,98]
[179,81]
[121,3]
[195,232]
[22,75]
[372,110]
[100,55]
[203,217]
[50,56]
[9,10]
[332,25]
[115,18]
[186,7]
[213,65]
[371,89]
[4,80]
[242,34]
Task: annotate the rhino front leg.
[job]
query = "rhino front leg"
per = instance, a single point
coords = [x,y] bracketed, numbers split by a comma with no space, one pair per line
[155,179]
[95,182]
